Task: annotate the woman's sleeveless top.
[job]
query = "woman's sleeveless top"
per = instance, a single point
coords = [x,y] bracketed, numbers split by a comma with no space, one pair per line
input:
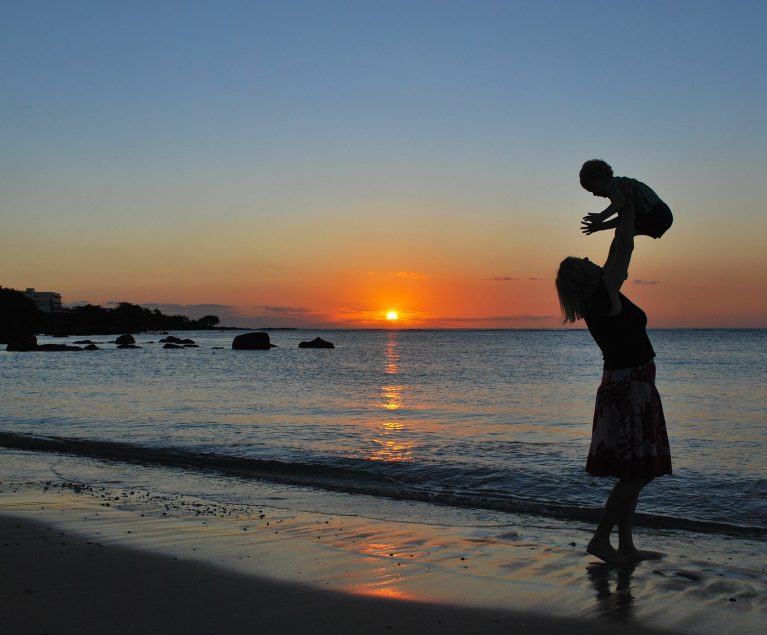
[622,337]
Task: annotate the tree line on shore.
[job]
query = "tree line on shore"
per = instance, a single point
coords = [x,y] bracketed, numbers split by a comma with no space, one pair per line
[19,317]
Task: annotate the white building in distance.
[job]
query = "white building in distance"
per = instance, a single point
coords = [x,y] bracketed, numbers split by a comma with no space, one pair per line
[46,301]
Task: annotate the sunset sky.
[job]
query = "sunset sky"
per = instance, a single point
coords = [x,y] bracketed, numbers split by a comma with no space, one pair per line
[321,163]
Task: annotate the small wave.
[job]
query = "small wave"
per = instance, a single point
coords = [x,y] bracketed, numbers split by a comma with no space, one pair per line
[355,476]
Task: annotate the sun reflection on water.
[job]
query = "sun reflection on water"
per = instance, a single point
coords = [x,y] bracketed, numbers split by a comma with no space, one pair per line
[388,444]
[391,354]
[391,449]
[392,397]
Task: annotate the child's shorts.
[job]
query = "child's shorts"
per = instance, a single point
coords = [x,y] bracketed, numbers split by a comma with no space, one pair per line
[654,222]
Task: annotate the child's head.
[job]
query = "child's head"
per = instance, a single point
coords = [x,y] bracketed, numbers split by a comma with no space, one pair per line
[594,176]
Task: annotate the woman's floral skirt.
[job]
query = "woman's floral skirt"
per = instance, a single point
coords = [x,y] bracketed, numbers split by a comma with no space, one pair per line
[628,437]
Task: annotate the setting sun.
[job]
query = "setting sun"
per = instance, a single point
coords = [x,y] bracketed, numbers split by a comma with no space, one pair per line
[391,315]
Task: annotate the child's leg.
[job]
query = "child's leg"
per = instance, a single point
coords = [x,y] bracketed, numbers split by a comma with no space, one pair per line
[654,222]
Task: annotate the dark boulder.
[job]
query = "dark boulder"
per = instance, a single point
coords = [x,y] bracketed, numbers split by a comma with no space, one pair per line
[125,339]
[91,347]
[171,345]
[19,342]
[190,346]
[172,339]
[317,342]
[57,347]
[252,342]
[127,346]
[83,342]
[29,343]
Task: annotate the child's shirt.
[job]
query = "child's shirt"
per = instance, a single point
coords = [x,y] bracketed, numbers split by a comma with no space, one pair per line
[643,196]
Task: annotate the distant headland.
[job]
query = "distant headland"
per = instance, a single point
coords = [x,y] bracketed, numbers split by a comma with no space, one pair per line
[33,313]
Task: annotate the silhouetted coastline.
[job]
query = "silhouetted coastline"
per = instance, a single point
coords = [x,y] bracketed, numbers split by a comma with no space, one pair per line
[20,318]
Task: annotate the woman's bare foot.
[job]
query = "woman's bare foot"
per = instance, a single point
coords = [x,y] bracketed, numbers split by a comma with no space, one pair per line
[605,551]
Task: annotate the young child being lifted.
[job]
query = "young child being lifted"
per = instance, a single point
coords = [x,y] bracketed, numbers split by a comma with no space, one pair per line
[652,216]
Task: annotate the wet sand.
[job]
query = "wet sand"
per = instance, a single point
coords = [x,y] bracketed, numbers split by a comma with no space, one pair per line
[58,582]
[79,563]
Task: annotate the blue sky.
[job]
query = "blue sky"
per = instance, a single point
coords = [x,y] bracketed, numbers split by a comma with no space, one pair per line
[147,118]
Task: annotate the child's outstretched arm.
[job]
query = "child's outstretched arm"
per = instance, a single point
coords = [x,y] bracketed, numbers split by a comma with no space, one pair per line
[591,223]
[617,200]
[617,203]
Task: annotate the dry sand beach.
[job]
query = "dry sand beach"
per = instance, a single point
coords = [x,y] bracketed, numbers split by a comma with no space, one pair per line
[108,561]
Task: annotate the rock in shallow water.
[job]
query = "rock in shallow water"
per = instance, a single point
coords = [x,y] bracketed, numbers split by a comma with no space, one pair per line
[317,342]
[57,347]
[252,342]
[22,342]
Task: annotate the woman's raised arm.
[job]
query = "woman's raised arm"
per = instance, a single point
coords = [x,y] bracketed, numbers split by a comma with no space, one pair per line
[616,268]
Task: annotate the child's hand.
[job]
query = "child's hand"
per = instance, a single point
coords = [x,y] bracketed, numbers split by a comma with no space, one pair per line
[591,223]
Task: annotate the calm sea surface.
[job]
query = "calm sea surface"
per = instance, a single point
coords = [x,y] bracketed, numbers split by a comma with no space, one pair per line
[475,419]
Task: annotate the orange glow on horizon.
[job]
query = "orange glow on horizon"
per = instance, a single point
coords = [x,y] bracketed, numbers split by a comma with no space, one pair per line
[510,290]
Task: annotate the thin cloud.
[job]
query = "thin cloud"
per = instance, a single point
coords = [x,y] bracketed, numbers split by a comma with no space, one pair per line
[412,275]
[352,313]
[640,281]
[196,308]
[503,278]
[281,310]
[496,318]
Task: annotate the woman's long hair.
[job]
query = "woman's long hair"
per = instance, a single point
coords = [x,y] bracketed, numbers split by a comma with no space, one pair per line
[575,282]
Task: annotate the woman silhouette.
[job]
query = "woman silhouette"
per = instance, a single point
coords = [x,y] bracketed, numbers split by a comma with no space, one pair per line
[628,439]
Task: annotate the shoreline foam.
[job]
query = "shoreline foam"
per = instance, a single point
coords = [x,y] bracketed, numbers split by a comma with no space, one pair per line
[347,475]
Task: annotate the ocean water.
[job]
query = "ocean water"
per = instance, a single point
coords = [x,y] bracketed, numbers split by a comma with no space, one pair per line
[474,420]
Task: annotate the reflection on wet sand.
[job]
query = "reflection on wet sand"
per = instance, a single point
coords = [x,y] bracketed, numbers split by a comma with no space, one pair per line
[614,603]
